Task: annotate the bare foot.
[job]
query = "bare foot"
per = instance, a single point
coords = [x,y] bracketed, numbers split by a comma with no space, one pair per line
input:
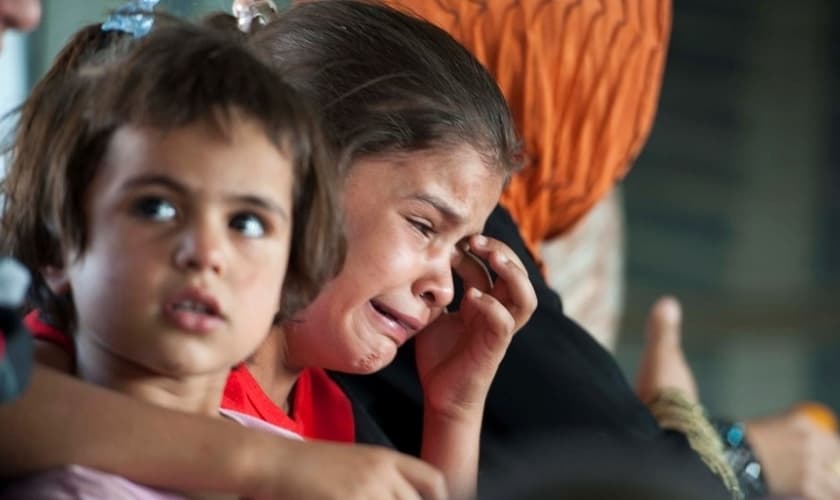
[663,363]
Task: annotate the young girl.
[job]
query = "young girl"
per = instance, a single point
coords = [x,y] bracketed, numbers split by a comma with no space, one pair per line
[158,199]
[430,143]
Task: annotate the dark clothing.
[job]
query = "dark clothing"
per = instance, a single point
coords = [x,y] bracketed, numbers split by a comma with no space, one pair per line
[555,379]
[15,355]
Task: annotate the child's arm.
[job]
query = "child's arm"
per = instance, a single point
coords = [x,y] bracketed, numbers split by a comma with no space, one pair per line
[60,420]
[458,355]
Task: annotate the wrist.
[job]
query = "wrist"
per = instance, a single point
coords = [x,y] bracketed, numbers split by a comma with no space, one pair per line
[743,459]
[256,459]
[467,412]
[451,444]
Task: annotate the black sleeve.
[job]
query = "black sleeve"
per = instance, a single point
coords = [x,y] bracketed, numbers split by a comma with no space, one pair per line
[555,379]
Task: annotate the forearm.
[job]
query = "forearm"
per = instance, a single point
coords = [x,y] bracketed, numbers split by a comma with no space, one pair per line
[452,445]
[60,420]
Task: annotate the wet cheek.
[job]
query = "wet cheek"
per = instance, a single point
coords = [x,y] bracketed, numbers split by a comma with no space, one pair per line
[383,259]
[407,259]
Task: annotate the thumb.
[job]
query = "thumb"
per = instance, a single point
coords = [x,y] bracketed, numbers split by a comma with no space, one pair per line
[664,325]
[663,362]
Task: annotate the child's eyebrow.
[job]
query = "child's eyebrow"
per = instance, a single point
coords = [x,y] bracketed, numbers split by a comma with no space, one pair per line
[171,184]
[449,212]
[155,180]
[261,203]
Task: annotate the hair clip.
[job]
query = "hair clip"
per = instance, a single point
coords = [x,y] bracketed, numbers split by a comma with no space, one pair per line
[247,12]
[133,17]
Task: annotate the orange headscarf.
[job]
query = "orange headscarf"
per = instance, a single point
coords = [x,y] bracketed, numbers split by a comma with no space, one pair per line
[582,78]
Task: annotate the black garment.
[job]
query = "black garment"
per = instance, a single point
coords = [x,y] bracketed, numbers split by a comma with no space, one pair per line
[15,340]
[555,379]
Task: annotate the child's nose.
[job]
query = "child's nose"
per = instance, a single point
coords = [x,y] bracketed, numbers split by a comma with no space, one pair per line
[201,248]
[436,287]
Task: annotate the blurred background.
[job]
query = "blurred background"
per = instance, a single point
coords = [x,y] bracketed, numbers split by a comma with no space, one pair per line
[733,206]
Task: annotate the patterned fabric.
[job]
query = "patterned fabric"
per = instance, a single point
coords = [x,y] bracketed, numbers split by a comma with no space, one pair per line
[582,78]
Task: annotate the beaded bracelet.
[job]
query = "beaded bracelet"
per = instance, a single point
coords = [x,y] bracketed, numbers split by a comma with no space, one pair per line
[741,457]
[673,410]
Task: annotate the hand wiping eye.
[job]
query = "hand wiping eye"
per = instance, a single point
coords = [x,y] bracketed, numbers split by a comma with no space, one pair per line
[472,269]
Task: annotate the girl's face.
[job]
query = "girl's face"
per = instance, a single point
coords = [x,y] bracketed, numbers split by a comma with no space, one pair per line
[405,218]
[188,241]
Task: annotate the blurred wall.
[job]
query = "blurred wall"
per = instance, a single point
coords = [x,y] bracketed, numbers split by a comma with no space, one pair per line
[733,204]
[13,89]
[63,17]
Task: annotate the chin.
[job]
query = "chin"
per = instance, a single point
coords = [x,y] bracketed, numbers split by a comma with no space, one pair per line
[374,361]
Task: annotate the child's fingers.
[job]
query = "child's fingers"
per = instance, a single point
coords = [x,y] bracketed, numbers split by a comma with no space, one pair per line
[472,271]
[513,288]
[404,490]
[423,479]
[483,246]
[496,319]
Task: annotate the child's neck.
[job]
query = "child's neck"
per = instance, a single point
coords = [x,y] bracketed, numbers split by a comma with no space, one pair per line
[200,394]
[271,368]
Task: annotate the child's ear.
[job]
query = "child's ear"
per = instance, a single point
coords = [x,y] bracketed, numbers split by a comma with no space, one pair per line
[57,279]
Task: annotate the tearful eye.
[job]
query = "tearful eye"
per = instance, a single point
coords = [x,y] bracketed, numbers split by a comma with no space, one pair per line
[422,227]
[155,208]
[250,225]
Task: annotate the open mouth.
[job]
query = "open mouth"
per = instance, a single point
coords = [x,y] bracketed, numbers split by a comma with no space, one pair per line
[394,317]
[381,310]
[195,313]
[195,307]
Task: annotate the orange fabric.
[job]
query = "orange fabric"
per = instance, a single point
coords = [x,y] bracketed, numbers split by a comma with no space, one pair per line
[582,78]
[819,414]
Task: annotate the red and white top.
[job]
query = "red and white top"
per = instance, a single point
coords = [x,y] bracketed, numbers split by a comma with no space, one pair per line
[320,409]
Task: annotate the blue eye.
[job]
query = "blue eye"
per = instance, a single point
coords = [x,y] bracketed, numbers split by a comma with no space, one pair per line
[155,209]
[250,225]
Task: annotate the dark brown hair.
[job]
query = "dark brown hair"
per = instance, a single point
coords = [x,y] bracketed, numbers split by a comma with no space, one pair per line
[387,82]
[177,75]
